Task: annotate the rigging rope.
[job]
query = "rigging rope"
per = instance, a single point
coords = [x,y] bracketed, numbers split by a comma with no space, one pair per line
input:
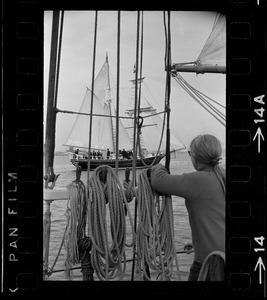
[134,133]
[155,233]
[141,66]
[136,95]
[58,58]
[92,96]
[76,222]
[168,85]
[219,116]
[118,94]
[180,78]
[139,124]
[108,234]
[139,143]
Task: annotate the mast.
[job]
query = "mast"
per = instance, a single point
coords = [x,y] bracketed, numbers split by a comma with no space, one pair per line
[136,88]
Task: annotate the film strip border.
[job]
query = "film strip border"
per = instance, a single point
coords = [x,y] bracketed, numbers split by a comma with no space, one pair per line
[22,145]
[245,157]
[246,162]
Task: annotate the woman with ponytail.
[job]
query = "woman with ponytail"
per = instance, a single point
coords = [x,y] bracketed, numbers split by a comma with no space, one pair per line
[204,194]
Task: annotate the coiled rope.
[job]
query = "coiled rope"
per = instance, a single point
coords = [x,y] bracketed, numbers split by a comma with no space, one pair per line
[155,233]
[76,223]
[108,233]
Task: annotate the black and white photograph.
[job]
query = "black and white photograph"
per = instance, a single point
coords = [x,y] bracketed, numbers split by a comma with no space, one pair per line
[156,106]
[133,149]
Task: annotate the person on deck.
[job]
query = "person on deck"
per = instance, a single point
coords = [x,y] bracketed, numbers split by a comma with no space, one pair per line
[204,194]
[124,154]
[108,153]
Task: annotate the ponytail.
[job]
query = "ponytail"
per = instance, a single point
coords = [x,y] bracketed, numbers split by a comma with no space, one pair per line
[220,175]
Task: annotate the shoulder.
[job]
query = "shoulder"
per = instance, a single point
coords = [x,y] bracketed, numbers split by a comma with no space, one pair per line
[158,168]
[196,176]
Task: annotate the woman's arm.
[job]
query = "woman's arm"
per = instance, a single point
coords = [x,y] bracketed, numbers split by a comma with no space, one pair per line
[179,185]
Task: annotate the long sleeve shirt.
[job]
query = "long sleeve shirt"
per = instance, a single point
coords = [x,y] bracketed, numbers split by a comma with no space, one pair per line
[205,203]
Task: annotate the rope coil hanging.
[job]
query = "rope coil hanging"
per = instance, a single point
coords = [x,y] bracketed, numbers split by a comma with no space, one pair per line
[155,238]
[108,233]
[155,233]
[76,222]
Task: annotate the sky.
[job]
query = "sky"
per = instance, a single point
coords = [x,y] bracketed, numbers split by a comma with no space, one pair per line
[189,32]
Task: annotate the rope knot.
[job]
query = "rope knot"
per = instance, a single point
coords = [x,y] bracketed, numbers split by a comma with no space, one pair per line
[50,177]
[103,179]
[167,108]
[85,244]
[129,190]
[140,121]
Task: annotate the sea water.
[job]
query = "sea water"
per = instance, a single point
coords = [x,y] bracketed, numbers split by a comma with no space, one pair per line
[180,163]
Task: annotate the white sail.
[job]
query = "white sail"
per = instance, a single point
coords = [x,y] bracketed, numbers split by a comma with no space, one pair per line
[79,136]
[152,128]
[214,50]
[155,127]
[103,125]
[198,112]
[212,58]
[103,134]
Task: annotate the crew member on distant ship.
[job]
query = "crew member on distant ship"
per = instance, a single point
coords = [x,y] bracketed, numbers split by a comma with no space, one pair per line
[94,154]
[108,153]
[125,154]
[76,152]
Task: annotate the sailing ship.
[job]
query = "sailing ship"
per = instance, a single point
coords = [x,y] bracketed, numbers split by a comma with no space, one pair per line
[103,118]
[103,137]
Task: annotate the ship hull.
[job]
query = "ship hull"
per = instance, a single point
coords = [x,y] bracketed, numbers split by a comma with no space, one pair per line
[122,163]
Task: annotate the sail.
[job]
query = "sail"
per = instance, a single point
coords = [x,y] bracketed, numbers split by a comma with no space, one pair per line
[212,58]
[197,112]
[214,50]
[103,125]
[79,136]
[151,129]
[154,129]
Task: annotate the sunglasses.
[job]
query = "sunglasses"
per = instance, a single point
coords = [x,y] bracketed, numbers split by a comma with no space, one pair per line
[189,152]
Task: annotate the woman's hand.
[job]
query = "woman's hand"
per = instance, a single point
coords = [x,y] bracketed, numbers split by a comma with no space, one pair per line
[188,248]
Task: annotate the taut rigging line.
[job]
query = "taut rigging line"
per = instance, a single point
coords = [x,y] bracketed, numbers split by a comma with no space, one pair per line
[198,97]
[92,95]
[134,134]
